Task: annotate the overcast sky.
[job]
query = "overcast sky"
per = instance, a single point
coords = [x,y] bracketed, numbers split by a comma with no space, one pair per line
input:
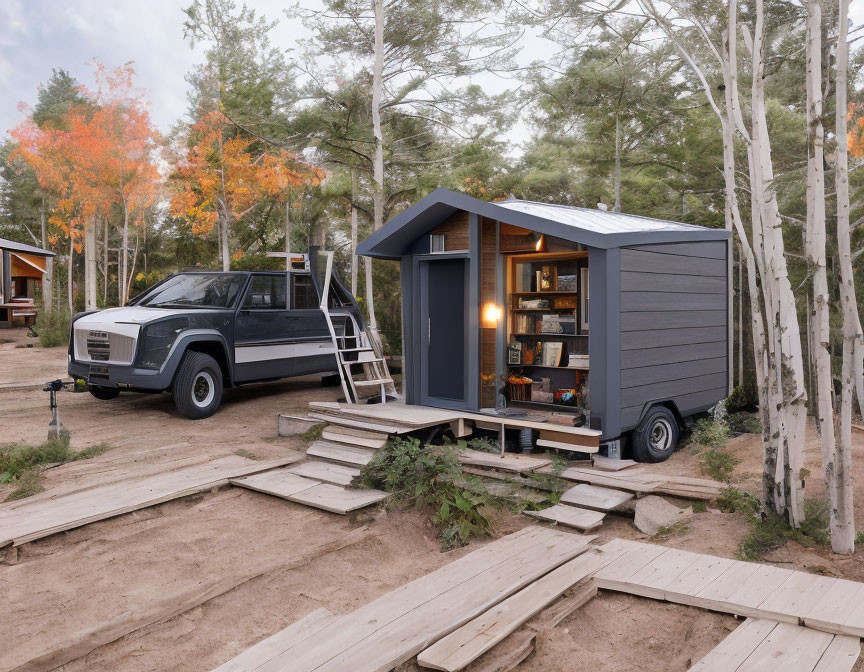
[37,35]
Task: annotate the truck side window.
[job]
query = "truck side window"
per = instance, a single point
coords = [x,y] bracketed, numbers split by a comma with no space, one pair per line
[267,291]
[303,294]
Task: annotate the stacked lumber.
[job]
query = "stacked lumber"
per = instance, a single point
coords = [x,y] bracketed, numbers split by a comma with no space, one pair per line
[22,522]
[397,626]
[642,481]
[764,646]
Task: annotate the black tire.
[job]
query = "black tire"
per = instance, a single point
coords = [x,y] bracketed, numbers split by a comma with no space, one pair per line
[103,393]
[656,437]
[197,386]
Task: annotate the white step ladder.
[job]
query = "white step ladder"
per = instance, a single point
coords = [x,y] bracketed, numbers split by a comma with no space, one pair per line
[355,349]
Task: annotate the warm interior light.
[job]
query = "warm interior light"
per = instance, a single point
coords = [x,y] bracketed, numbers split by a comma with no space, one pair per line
[491,315]
[539,245]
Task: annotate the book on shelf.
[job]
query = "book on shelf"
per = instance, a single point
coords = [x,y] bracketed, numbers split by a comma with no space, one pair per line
[558,324]
[567,283]
[551,353]
[577,360]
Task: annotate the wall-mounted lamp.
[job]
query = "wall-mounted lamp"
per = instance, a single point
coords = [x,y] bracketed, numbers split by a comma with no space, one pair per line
[539,245]
[490,316]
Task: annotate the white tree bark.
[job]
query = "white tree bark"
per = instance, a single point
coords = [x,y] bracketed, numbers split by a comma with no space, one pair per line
[820,336]
[354,224]
[617,177]
[124,254]
[90,287]
[69,277]
[843,528]
[377,91]
[48,277]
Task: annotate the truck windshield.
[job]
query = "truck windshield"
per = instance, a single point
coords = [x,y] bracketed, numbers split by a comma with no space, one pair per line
[212,290]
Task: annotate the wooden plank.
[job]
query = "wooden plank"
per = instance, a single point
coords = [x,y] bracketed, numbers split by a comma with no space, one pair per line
[635,558]
[24,523]
[552,616]
[595,497]
[353,431]
[841,655]
[654,262]
[354,422]
[836,605]
[326,472]
[340,453]
[351,440]
[709,249]
[652,579]
[696,577]
[729,654]
[669,282]
[507,462]
[659,337]
[469,642]
[508,654]
[678,371]
[651,356]
[633,396]
[611,464]
[558,445]
[609,480]
[278,483]
[671,319]
[390,630]
[294,634]
[337,499]
[569,516]
[796,594]
[788,648]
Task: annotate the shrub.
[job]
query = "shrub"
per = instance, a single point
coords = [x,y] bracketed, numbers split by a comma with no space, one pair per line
[711,433]
[29,484]
[17,459]
[53,329]
[742,398]
[718,464]
[745,423]
[770,531]
[431,478]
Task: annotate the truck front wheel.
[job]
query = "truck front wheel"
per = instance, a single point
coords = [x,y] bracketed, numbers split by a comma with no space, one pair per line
[197,386]
[656,437]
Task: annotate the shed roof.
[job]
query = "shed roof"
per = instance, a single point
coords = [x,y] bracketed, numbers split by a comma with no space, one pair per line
[594,228]
[12,246]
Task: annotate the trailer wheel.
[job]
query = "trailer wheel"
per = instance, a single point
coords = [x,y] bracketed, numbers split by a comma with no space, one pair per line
[656,437]
[103,393]
[197,386]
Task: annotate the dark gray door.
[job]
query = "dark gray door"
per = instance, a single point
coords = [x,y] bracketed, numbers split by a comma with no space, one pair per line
[264,332]
[443,326]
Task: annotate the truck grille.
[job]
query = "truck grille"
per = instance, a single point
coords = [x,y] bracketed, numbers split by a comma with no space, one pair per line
[102,346]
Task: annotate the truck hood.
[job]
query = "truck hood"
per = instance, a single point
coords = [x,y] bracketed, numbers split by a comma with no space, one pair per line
[126,321]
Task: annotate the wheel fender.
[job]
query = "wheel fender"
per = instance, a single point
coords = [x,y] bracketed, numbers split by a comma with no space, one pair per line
[668,403]
[193,336]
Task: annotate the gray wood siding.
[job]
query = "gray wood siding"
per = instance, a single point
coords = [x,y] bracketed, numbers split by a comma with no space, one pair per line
[673,327]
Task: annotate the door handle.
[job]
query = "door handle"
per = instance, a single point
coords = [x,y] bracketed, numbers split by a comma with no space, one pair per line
[429,330]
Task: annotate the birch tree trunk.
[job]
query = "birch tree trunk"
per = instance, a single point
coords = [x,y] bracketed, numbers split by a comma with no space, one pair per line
[105,263]
[377,90]
[786,365]
[71,291]
[48,277]
[90,287]
[124,251]
[843,528]
[353,235]
[224,228]
[288,224]
[617,177]
[820,336]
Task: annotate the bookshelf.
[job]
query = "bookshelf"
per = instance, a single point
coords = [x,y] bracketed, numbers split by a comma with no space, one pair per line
[545,326]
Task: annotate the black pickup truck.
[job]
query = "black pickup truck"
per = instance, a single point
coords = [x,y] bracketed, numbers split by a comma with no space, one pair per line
[195,333]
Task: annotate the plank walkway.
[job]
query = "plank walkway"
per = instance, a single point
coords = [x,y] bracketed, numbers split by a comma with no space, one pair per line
[460,648]
[397,626]
[595,497]
[735,587]
[641,481]
[336,499]
[326,472]
[759,645]
[22,522]
[569,516]
[337,452]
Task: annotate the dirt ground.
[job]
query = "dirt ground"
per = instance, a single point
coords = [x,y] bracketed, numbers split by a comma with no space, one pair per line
[271,562]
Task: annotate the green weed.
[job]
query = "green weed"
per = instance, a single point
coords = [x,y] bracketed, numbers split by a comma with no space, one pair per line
[431,478]
[699,507]
[770,531]
[672,530]
[248,454]
[30,483]
[710,433]
[718,464]
[314,432]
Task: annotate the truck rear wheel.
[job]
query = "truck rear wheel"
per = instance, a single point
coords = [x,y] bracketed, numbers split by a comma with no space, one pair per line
[656,437]
[197,386]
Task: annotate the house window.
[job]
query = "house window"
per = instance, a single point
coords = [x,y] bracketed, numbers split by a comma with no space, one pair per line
[436,242]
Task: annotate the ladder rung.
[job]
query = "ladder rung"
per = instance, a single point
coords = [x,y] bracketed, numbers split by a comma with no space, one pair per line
[356,350]
[373,360]
[368,383]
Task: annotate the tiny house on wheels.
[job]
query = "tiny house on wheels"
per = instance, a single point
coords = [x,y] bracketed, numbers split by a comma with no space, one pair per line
[516,307]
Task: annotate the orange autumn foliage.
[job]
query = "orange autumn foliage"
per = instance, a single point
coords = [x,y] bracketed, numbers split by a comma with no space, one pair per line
[220,179]
[100,155]
[855,133]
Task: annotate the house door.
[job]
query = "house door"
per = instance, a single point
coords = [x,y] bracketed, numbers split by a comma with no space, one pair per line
[443,332]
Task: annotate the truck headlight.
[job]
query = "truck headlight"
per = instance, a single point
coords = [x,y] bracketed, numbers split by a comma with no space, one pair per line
[156,340]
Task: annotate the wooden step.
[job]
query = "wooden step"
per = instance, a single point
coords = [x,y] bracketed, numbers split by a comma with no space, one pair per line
[354,431]
[341,453]
[354,422]
[307,491]
[326,472]
[508,462]
[595,497]
[570,516]
[359,441]
[611,464]
[377,381]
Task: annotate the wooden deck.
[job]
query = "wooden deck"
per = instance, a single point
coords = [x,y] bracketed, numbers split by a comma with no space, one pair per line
[394,418]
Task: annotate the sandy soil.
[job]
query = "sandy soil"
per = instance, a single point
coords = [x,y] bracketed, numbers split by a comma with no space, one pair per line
[278,561]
